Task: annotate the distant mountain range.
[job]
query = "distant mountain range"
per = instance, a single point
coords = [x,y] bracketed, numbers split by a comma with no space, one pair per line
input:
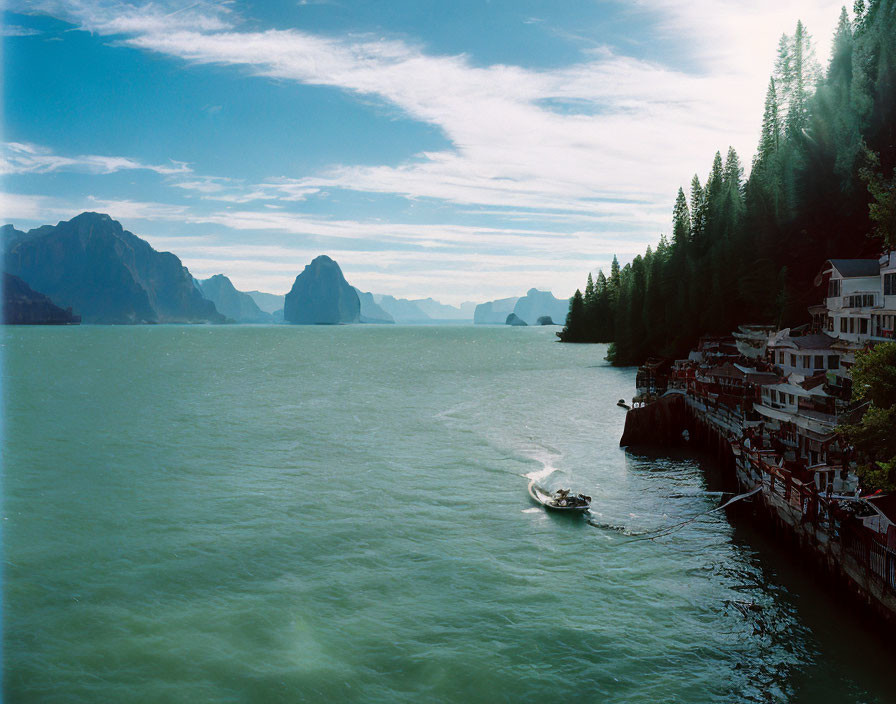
[105,273]
[91,268]
[423,310]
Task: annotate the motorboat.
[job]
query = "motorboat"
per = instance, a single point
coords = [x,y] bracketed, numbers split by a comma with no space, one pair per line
[559,500]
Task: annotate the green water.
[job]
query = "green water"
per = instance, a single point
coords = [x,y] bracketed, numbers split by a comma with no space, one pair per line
[267,514]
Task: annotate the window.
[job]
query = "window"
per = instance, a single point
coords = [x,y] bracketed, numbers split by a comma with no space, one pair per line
[819,361]
[861,300]
[889,284]
[793,360]
[780,358]
[863,326]
[833,361]
[833,288]
[852,325]
[842,324]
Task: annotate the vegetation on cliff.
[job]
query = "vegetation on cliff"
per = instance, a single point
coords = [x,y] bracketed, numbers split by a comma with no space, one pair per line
[874,383]
[746,251]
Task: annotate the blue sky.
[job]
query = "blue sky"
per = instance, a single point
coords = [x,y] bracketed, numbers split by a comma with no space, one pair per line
[464,150]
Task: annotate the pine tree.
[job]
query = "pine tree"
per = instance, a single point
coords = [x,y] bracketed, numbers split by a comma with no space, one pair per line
[574,331]
[589,291]
[681,222]
[771,126]
[698,211]
[614,283]
[804,74]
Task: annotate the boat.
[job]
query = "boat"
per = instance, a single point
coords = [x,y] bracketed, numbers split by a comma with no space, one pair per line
[560,500]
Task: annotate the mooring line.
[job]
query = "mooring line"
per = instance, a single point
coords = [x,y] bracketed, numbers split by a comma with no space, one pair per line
[668,530]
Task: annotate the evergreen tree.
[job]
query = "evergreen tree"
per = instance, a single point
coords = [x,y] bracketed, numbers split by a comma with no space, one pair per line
[574,331]
[681,221]
[771,127]
[698,210]
[746,251]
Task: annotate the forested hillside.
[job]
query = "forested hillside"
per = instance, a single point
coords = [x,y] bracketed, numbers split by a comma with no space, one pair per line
[822,184]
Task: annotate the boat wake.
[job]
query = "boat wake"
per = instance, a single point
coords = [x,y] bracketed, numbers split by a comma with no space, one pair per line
[546,458]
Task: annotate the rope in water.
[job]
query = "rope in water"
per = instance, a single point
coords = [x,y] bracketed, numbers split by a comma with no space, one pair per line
[667,530]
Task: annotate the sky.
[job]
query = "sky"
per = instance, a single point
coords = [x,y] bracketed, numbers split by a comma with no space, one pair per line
[466,150]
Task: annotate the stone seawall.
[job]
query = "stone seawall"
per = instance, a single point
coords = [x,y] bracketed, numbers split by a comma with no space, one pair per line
[833,555]
[659,423]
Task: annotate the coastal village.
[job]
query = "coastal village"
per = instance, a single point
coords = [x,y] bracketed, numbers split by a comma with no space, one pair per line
[770,401]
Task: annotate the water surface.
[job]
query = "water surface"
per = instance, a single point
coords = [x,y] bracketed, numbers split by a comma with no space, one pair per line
[252,514]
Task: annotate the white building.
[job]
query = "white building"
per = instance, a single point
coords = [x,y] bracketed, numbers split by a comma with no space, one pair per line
[805,355]
[854,290]
[883,320]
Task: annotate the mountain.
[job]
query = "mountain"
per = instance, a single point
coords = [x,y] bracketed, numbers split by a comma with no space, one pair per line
[109,275]
[322,296]
[441,311]
[536,304]
[401,309]
[268,302]
[22,306]
[370,311]
[494,312]
[236,305]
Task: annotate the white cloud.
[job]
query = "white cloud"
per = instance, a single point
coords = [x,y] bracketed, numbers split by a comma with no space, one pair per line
[25,158]
[12,30]
[596,149]
[644,130]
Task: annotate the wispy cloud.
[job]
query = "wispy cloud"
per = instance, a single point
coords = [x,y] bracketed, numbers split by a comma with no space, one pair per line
[24,158]
[12,30]
[592,151]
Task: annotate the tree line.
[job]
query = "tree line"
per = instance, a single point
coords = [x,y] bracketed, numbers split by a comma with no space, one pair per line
[747,250]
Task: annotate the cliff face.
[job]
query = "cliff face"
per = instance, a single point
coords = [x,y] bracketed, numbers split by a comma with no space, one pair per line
[370,311]
[236,305]
[22,306]
[536,304]
[110,275]
[441,311]
[494,312]
[322,296]
[268,302]
[401,309]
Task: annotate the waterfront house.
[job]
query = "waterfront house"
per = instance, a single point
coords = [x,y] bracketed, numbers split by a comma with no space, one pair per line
[853,290]
[805,355]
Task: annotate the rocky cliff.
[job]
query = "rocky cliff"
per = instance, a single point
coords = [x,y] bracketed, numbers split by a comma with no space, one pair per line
[22,306]
[322,296]
[236,305]
[109,275]
[370,311]
[494,312]
[536,304]
[268,302]
[401,309]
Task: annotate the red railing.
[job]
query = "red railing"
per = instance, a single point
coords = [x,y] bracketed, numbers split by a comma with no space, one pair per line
[860,543]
